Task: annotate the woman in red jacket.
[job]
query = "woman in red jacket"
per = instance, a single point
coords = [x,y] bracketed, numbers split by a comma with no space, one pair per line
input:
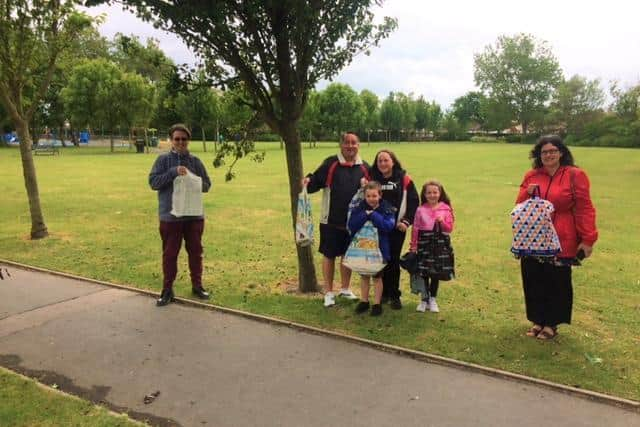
[548,292]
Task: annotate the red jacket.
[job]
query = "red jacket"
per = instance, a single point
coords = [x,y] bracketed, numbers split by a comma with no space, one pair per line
[575,217]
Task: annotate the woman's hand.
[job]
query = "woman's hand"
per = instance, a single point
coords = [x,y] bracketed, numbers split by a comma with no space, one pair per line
[402,226]
[531,188]
[586,248]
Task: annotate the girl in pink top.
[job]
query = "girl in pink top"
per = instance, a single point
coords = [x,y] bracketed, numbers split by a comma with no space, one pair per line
[435,208]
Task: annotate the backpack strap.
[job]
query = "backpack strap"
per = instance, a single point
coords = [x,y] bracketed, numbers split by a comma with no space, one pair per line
[332,170]
[406,180]
[365,171]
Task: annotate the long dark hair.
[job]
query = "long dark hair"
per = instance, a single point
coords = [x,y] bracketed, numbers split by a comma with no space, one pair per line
[397,167]
[444,198]
[566,158]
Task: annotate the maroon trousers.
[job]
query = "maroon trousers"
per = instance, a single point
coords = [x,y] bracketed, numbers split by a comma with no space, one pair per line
[172,234]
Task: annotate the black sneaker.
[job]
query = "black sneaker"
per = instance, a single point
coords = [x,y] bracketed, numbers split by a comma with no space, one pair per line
[384,300]
[200,293]
[165,297]
[395,304]
[376,309]
[362,307]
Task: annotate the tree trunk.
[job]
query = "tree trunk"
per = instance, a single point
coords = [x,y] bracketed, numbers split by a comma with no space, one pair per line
[61,133]
[525,127]
[35,137]
[204,141]
[38,227]
[307,281]
[74,140]
[215,143]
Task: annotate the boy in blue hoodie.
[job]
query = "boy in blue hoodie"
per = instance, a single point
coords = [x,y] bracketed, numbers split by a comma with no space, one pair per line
[381,215]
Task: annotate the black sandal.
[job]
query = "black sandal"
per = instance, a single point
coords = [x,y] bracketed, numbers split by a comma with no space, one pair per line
[544,335]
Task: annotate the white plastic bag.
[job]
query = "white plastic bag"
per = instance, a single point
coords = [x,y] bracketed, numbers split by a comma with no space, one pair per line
[363,255]
[187,196]
[304,221]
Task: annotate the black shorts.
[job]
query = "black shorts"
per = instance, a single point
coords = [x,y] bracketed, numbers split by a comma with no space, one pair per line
[334,241]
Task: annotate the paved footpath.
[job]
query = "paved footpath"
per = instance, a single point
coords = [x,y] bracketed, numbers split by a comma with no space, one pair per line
[217,369]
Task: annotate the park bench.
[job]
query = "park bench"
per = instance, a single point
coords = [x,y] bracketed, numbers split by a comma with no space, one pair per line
[45,149]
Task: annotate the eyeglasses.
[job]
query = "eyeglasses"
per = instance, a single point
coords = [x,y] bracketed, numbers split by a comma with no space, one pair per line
[180,139]
[549,152]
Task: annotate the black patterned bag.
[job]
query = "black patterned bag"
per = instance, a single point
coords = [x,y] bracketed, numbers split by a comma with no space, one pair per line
[435,254]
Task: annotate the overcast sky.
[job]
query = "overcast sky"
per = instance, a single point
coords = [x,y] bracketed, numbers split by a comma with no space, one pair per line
[431,52]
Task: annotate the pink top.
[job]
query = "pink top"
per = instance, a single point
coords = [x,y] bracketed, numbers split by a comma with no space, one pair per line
[425,220]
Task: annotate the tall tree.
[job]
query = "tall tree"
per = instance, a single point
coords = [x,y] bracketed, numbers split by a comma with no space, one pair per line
[90,97]
[408,107]
[422,113]
[371,105]
[626,102]
[519,73]
[391,116]
[199,105]
[279,49]
[434,116]
[32,36]
[468,108]
[310,124]
[340,109]
[578,101]
[147,60]
[135,101]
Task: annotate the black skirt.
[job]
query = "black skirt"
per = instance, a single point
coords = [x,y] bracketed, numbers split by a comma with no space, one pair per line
[548,292]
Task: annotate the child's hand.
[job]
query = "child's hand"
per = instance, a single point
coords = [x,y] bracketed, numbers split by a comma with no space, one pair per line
[363,181]
[439,219]
[531,188]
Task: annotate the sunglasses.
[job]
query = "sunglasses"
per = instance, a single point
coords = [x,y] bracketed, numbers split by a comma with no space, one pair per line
[549,152]
[180,139]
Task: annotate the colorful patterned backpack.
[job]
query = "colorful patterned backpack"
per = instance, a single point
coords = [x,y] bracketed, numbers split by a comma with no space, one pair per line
[533,230]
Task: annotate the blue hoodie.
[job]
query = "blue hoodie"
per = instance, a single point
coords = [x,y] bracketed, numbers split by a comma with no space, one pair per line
[383,218]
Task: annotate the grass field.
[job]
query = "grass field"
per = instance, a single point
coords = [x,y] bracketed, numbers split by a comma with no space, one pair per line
[24,403]
[102,218]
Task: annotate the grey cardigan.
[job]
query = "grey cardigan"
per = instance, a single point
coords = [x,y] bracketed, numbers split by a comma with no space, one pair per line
[164,171]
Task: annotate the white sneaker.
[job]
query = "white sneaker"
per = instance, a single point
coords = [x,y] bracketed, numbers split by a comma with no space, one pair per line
[422,307]
[433,305]
[347,293]
[329,299]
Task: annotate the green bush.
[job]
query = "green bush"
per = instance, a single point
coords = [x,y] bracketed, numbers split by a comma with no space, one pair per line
[268,137]
[485,139]
[609,131]
[514,139]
